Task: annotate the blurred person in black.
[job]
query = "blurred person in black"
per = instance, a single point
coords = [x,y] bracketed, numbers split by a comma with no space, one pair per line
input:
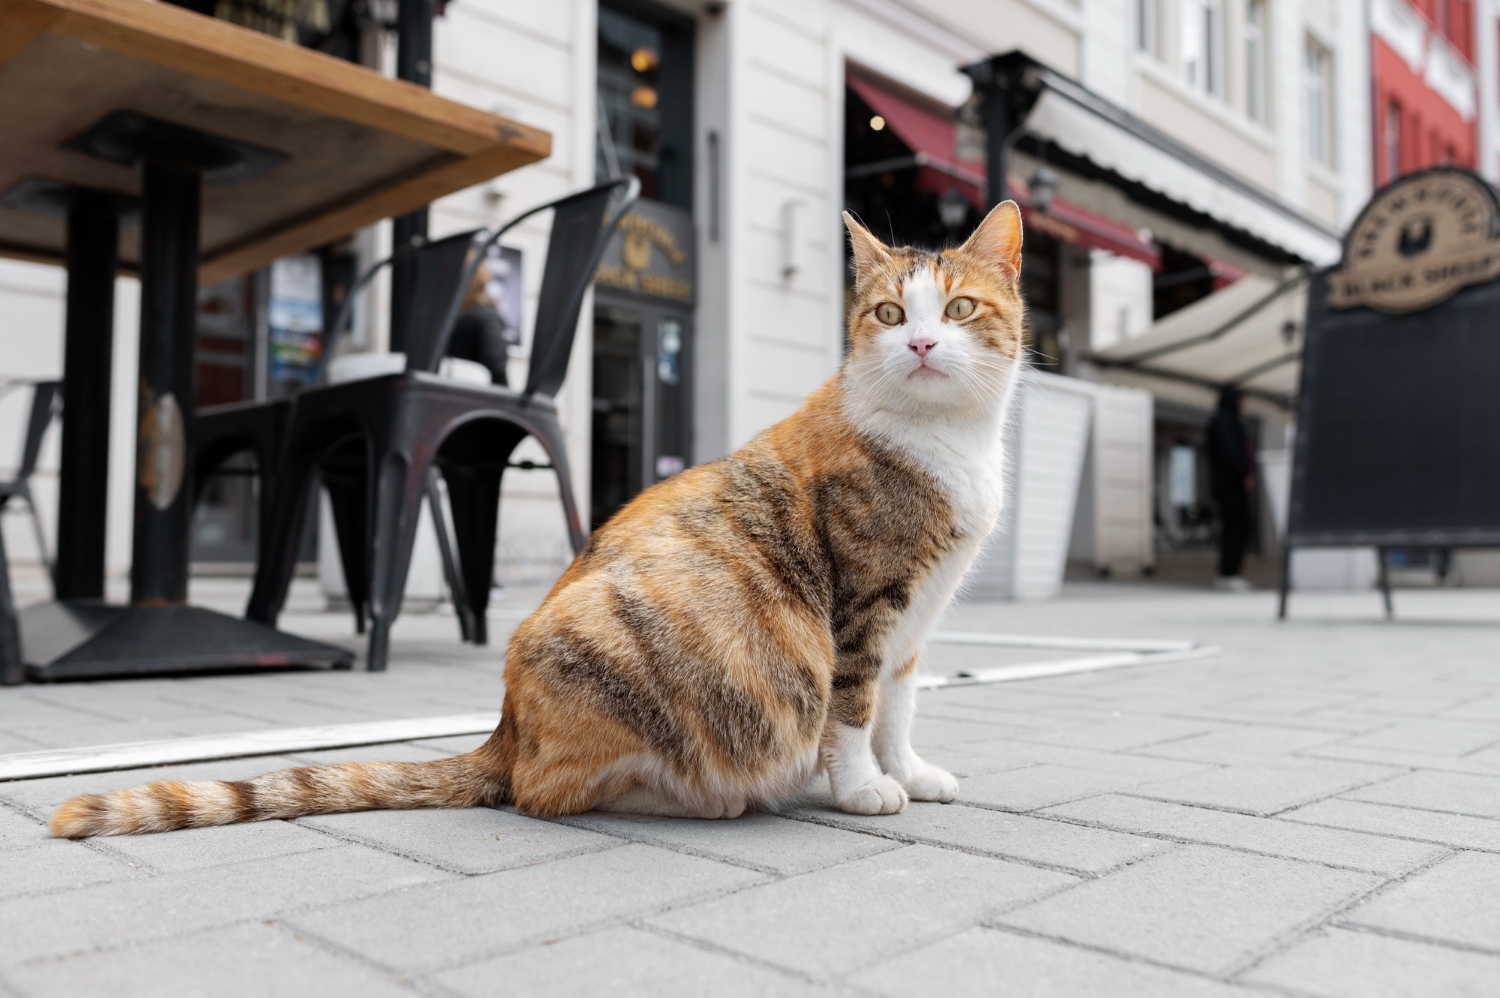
[1231,467]
[480,334]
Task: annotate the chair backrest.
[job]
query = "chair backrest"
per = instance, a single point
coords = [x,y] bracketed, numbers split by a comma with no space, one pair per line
[579,233]
[440,273]
[438,282]
[43,395]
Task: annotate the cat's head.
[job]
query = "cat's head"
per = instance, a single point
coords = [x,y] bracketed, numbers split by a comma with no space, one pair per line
[931,329]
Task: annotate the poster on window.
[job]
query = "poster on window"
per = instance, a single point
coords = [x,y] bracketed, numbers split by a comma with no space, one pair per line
[295,317]
[503,289]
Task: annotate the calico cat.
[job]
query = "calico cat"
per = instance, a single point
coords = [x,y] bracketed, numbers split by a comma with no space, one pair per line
[746,623]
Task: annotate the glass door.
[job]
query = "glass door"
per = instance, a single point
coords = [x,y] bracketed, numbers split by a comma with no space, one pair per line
[641,407]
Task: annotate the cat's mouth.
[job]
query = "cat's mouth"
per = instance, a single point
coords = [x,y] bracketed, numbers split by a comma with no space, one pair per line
[924,372]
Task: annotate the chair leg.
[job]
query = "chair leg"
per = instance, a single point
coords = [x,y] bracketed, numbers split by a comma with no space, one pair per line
[452,572]
[278,560]
[348,496]
[549,435]
[474,495]
[12,670]
[397,497]
[41,533]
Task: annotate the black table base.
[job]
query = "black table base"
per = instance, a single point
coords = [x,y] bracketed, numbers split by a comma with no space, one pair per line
[86,639]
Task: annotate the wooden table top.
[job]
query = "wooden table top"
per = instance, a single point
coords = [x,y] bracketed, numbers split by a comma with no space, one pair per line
[360,147]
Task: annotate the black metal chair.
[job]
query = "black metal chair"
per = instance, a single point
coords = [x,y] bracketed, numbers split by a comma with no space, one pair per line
[43,407]
[44,398]
[217,433]
[378,439]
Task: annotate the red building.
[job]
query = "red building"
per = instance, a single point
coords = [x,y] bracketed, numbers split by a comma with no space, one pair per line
[1422,62]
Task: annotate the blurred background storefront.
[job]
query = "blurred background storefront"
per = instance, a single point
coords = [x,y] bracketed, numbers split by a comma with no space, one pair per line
[1178,163]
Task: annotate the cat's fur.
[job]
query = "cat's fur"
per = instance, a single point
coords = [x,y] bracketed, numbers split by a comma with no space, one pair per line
[747,622]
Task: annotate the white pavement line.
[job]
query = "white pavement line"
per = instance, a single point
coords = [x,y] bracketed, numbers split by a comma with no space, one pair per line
[1064,644]
[1064,667]
[275,741]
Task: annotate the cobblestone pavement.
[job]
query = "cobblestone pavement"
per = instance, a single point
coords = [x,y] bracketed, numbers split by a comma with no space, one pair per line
[1316,812]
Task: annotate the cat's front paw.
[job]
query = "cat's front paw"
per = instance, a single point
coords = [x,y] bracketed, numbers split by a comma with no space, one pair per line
[929,782]
[880,796]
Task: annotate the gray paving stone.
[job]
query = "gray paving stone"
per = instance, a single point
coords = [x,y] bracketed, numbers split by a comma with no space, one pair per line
[456,745]
[1455,902]
[155,907]
[836,920]
[1265,790]
[1484,708]
[1438,736]
[19,830]
[1197,907]
[201,848]
[762,841]
[1124,732]
[934,728]
[1039,786]
[1455,793]
[984,963]
[253,961]
[58,866]
[441,925]
[1415,704]
[1482,763]
[1138,765]
[1333,847]
[399,752]
[471,840]
[622,962]
[1239,744]
[1342,964]
[1000,834]
[1401,822]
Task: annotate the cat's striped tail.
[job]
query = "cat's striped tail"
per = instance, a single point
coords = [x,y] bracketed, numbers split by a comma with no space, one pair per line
[473,780]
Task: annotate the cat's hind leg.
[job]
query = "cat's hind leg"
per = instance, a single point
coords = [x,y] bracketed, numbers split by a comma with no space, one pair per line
[894,710]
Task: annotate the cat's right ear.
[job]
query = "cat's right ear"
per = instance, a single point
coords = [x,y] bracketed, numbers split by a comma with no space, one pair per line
[869,253]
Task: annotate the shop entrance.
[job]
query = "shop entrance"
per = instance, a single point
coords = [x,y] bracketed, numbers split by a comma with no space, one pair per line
[641,422]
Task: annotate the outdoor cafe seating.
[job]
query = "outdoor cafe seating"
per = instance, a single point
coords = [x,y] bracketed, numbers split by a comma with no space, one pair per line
[377,443]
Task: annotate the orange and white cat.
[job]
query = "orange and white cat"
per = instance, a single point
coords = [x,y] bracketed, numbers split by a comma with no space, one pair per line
[748,622]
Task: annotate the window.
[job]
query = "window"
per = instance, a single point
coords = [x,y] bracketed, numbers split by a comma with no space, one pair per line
[1391,142]
[1202,46]
[645,104]
[1145,26]
[1317,84]
[1255,60]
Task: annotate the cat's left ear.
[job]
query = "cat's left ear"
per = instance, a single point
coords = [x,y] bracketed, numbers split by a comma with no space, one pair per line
[997,241]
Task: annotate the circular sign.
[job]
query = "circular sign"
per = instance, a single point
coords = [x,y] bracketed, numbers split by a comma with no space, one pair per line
[1417,242]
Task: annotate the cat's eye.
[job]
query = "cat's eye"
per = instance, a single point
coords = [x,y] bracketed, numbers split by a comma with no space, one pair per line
[890,314]
[959,309]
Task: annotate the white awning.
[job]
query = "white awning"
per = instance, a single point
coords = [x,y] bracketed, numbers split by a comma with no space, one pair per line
[1080,123]
[1248,335]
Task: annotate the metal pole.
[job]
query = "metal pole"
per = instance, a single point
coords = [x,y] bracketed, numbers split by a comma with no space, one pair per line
[413,63]
[83,487]
[169,312]
[997,126]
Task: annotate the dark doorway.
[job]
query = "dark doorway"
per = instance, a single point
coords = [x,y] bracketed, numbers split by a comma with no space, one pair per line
[641,420]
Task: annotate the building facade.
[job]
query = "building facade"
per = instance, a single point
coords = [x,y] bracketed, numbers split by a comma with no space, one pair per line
[752,123]
[1423,61]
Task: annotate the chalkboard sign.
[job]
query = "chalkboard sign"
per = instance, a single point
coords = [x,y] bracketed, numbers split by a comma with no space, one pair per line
[1398,415]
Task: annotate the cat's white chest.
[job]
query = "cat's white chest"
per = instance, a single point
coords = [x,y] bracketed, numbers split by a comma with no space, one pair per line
[969,463]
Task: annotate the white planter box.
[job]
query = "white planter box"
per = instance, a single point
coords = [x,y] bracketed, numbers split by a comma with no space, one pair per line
[1046,441]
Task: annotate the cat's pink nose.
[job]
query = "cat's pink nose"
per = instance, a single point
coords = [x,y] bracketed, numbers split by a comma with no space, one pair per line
[921,345]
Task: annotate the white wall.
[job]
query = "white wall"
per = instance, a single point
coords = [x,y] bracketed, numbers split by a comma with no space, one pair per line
[533,62]
[31,346]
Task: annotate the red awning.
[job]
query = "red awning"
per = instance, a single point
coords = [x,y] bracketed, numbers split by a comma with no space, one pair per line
[933,139]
